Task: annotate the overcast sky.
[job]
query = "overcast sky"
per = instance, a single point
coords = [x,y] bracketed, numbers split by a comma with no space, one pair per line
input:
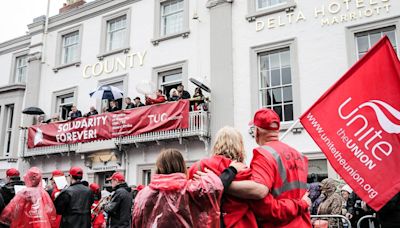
[15,15]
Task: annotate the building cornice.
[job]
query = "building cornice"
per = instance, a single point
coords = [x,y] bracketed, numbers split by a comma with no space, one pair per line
[12,88]
[81,13]
[214,3]
[15,44]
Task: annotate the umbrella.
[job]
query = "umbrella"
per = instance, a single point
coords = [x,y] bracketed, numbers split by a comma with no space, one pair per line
[107,92]
[33,111]
[201,85]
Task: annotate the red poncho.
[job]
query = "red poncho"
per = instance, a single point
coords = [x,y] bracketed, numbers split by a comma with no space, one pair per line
[174,201]
[237,212]
[31,207]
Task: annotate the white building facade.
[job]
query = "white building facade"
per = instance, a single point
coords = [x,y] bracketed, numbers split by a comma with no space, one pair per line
[255,53]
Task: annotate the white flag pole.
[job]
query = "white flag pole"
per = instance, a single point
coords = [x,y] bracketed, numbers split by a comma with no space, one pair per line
[289,129]
[46,27]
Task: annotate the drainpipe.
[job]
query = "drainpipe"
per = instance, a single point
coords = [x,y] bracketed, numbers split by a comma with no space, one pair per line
[46,26]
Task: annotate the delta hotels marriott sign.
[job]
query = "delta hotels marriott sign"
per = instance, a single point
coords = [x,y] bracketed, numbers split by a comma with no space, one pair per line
[331,13]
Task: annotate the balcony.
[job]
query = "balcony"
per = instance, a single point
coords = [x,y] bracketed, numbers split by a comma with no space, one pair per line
[199,126]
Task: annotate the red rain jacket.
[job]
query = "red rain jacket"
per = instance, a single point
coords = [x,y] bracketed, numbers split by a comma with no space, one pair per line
[158,100]
[174,201]
[53,197]
[284,171]
[236,212]
[31,207]
[99,221]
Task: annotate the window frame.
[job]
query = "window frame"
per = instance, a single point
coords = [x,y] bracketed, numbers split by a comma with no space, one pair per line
[351,31]
[255,51]
[262,90]
[158,37]
[104,33]
[121,78]
[57,94]
[160,71]
[15,56]
[254,12]
[8,130]
[60,48]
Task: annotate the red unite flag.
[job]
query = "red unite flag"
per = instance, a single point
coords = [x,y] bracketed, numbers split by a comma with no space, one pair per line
[356,123]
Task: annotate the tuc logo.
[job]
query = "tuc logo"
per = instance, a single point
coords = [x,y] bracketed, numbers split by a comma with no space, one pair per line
[156,118]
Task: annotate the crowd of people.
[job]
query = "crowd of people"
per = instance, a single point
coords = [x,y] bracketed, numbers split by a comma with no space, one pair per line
[219,191]
[175,94]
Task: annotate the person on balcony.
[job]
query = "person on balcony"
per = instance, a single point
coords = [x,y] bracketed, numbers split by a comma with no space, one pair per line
[160,98]
[113,106]
[137,102]
[182,92]
[128,103]
[92,112]
[74,113]
[199,100]
[174,95]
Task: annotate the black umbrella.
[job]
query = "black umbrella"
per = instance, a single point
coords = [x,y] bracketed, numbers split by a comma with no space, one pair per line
[33,111]
[201,85]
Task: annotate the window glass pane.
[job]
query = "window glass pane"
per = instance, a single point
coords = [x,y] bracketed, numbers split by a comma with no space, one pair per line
[274,61]
[285,59]
[277,96]
[264,62]
[288,110]
[392,37]
[265,98]
[265,83]
[276,77]
[268,3]
[362,43]
[287,94]
[286,76]
[278,110]
[172,77]
[375,37]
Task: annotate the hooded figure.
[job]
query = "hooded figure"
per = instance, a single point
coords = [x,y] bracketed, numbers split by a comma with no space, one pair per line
[7,191]
[316,200]
[332,204]
[171,200]
[31,207]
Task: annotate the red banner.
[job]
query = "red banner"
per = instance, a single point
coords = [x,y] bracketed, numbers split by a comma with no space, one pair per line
[136,121]
[356,123]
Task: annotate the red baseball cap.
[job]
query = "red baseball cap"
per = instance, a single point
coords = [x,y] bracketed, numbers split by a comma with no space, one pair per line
[12,172]
[264,118]
[117,176]
[76,171]
[57,173]
[94,187]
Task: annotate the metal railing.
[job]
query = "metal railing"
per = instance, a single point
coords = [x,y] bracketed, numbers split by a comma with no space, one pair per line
[199,125]
[338,217]
[369,217]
